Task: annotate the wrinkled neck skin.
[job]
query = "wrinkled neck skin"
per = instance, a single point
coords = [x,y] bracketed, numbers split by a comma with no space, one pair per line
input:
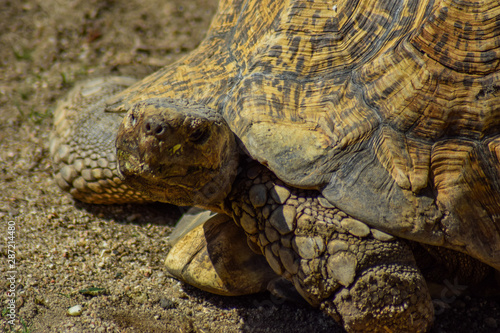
[237,191]
[214,194]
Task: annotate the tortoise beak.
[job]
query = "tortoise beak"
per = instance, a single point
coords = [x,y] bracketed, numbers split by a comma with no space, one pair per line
[182,154]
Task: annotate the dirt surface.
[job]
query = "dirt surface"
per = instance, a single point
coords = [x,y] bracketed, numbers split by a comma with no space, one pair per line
[62,246]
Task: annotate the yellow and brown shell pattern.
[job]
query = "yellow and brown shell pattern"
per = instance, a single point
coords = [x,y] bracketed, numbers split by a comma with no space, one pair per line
[390,108]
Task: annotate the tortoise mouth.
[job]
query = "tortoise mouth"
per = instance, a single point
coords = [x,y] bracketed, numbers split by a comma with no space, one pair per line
[172,188]
[130,165]
[174,183]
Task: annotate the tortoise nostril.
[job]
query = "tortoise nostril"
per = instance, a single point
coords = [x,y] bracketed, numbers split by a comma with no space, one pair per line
[131,120]
[154,127]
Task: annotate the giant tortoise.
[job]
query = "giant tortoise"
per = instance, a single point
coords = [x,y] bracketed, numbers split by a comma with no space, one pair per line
[353,144]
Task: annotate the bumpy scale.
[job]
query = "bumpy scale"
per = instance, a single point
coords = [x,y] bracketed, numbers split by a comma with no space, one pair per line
[358,275]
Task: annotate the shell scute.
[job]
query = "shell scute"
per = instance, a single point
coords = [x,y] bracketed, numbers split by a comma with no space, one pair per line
[390,108]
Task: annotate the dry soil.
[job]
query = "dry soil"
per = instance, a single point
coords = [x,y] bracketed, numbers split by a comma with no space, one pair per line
[63,247]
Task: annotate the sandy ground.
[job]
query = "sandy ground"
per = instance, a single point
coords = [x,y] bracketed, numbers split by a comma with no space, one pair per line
[63,247]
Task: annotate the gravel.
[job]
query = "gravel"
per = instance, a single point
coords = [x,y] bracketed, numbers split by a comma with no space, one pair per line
[63,247]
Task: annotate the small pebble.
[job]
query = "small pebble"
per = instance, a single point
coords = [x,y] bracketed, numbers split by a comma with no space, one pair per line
[74,311]
[491,322]
[167,303]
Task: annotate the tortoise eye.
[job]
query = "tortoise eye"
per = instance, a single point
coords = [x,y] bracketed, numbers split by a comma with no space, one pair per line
[199,135]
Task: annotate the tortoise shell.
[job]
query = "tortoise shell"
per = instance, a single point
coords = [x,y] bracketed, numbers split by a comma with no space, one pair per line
[390,108]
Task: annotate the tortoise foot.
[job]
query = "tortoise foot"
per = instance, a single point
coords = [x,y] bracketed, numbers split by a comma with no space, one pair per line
[386,298]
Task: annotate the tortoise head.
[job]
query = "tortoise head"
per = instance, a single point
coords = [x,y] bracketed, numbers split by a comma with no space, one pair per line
[177,152]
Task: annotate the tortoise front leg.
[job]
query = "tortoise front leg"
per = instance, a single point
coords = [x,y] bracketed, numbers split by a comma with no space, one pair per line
[381,288]
[82,144]
[366,284]
[365,279]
